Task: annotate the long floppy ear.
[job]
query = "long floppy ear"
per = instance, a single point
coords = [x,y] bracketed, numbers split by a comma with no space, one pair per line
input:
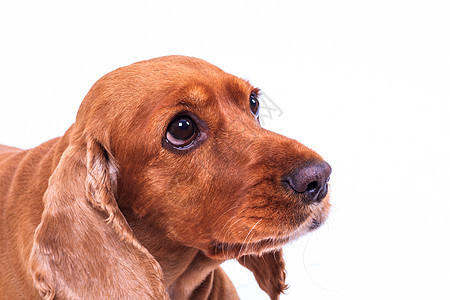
[84,248]
[268,270]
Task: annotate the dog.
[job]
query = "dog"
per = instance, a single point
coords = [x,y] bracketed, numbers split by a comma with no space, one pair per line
[165,174]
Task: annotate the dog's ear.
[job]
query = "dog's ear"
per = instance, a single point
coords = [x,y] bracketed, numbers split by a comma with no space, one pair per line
[268,270]
[84,248]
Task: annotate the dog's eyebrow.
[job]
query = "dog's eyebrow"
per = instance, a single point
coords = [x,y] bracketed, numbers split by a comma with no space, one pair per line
[239,89]
[196,96]
[257,91]
[188,103]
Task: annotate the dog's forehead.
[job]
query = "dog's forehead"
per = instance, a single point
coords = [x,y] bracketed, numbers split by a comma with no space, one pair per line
[196,78]
[149,86]
[201,92]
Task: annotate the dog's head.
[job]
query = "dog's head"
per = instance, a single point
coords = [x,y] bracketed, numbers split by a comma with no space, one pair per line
[194,158]
[179,143]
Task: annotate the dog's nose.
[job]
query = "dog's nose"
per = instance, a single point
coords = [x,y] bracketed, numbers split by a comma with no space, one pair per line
[311,180]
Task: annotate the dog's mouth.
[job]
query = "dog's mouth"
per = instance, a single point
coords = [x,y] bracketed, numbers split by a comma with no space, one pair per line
[224,250]
[219,249]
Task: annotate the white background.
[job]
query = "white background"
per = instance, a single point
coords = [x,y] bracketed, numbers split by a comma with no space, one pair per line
[364,83]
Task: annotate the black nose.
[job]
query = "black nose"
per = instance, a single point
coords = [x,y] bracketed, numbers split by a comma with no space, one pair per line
[311,180]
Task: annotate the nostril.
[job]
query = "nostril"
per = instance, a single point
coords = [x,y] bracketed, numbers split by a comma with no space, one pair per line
[312,186]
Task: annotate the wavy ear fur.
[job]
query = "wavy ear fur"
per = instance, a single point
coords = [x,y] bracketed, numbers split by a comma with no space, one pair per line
[268,270]
[84,248]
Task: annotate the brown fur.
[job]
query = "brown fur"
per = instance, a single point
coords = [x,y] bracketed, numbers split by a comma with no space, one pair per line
[108,211]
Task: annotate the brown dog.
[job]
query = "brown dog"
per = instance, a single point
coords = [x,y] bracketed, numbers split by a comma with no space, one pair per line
[165,174]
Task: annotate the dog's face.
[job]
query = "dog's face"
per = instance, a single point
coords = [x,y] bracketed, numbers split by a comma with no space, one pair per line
[195,161]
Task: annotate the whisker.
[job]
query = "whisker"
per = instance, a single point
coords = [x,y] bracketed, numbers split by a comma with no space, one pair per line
[240,250]
[249,246]
[223,227]
[229,228]
[227,211]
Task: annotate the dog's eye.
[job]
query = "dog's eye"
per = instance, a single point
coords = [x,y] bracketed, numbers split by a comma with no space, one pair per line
[254,104]
[181,132]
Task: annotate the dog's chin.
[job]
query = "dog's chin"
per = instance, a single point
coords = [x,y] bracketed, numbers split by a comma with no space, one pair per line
[223,250]
[226,250]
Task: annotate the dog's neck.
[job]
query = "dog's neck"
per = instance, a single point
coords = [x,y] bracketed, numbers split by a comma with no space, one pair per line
[184,268]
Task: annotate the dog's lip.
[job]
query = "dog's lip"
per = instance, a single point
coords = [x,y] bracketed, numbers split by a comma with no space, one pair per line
[315,223]
[235,250]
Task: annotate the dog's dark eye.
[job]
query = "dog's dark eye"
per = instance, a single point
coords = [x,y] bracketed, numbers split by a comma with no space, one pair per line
[254,104]
[181,132]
